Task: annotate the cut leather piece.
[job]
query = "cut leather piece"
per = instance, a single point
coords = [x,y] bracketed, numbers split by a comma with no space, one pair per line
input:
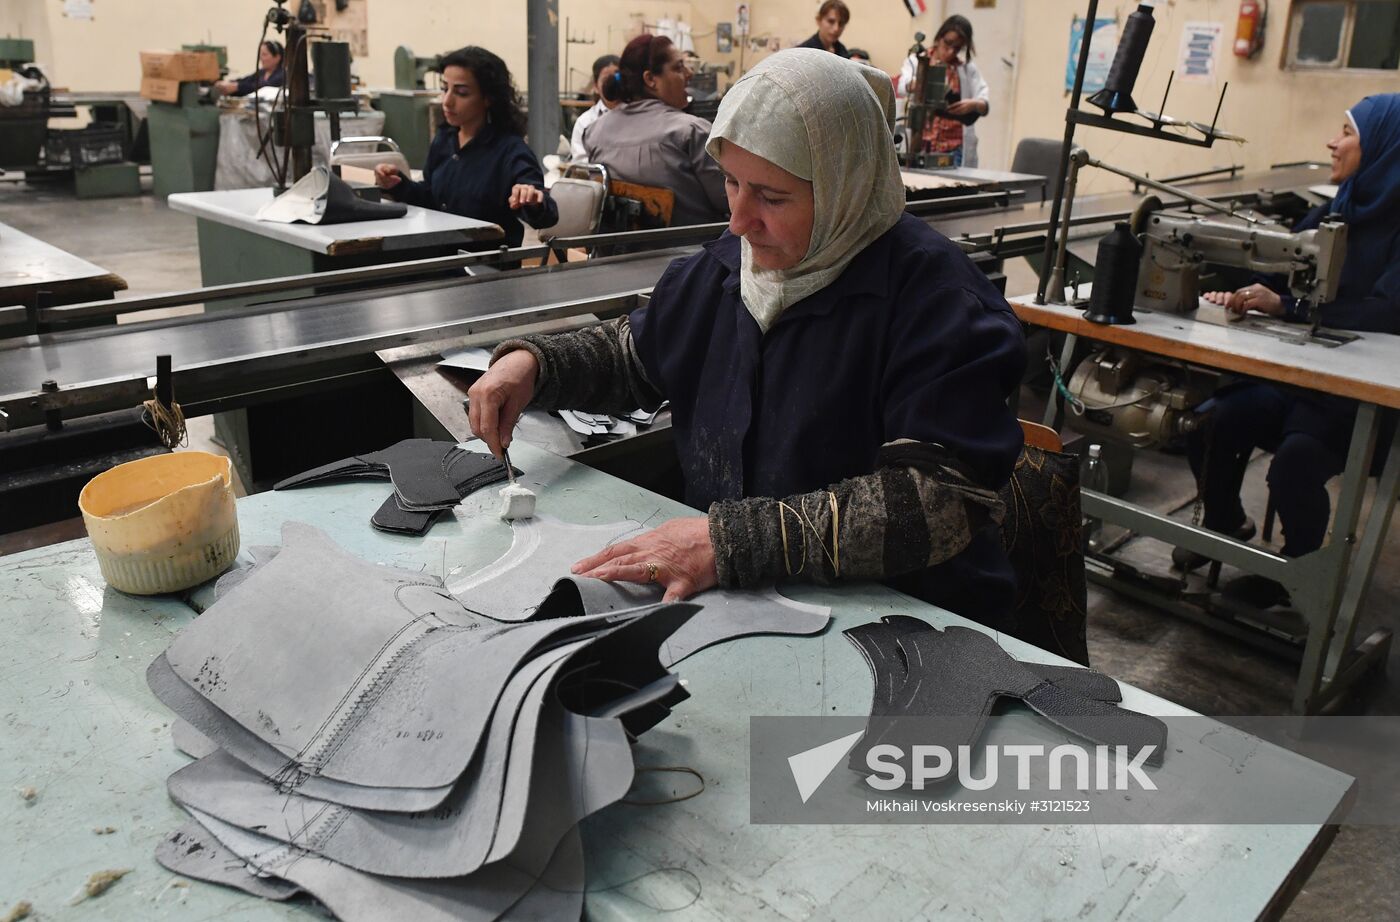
[492,893]
[392,517]
[520,778]
[1079,679]
[580,765]
[426,474]
[190,741]
[542,552]
[191,851]
[451,840]
[878,643]
[361,656]
[232,737]
[955,677]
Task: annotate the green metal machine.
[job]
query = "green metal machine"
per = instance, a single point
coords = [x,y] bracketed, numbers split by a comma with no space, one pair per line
[22,127]
[407,108]
[184,143]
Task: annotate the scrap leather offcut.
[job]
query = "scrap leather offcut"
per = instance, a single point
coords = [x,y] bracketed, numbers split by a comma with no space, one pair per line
[429,477]
[938,687]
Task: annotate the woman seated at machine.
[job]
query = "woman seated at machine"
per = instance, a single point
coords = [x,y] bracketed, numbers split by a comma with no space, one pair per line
[649,141]
[837,370]
[269,73]
[1309,433]
[478,164]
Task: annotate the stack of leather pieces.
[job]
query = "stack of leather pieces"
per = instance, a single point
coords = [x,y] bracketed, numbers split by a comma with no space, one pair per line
[362,738]
[938,688]
[429,477]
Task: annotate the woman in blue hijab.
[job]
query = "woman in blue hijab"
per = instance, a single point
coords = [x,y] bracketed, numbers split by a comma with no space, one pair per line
[1309,433]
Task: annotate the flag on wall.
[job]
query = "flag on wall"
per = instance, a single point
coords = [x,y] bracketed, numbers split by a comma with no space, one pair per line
[916,7]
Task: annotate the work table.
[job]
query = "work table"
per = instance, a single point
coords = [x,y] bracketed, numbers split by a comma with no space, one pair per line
[82,728]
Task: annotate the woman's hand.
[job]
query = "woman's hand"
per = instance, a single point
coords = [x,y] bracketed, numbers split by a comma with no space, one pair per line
[387,176]
[678,555]
[226,86]
[1254,297]
[525,194]
[496,400]
[965,107]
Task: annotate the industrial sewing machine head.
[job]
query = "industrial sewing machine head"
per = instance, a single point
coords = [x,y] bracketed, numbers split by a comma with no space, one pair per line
[1177,246]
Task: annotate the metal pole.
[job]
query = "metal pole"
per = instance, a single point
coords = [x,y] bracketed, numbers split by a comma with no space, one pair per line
[301,128]
[542,20]
[1059,180]
[1056,292]
[1174,190]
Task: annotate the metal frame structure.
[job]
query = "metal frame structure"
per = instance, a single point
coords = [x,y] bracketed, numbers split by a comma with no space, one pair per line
[1328,587]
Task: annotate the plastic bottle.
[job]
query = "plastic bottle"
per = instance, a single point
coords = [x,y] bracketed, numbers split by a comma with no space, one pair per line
[1096,479]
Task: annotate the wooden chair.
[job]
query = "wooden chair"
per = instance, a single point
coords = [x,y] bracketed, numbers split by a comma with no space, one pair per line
[633,206]
[1040,436]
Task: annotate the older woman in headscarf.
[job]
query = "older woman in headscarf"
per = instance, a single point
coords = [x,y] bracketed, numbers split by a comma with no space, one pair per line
[837,370]
[1308,433]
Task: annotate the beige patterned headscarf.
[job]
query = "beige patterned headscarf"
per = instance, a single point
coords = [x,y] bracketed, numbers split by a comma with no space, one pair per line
[827,120]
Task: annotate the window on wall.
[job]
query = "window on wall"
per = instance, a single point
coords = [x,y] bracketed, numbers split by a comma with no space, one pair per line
[1353,34]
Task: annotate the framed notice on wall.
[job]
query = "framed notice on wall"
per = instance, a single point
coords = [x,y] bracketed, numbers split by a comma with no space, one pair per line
[1200,50]
[1102,44]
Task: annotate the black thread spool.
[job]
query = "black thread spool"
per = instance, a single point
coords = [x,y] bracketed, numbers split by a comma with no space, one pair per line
[331,61]
[1115,278]
[1117,92]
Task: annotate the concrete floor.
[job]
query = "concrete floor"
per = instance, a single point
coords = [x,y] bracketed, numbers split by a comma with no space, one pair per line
[154,249]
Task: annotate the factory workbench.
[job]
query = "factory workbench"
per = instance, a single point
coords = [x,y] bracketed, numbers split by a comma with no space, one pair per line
[234,246]
[1328,587]
[82,729]
[38,274]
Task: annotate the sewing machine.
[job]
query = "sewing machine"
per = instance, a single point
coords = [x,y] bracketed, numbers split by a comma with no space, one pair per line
[1177,246]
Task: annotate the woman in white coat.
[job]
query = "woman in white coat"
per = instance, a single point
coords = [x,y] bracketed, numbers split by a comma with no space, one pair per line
[952,133]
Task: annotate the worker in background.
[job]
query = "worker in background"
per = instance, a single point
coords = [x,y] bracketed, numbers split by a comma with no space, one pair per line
[1309,433]
[478,163]
[269,73]
[969,97]
[603,69]
[832,18]
[648,139]
[837,370]
[859,55]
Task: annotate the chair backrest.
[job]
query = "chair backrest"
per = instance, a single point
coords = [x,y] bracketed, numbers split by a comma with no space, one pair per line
[580,205]
[633,206]
[1040,436]
[367,152]
[1039,157]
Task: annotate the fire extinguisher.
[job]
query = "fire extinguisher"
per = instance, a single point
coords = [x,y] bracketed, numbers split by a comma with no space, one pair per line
[1249,31]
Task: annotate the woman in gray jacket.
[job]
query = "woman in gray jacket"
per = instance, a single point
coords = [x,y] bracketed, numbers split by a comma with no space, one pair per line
[649,139]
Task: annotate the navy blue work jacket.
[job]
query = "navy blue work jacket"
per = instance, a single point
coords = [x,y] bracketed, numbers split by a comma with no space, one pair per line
[475,180]
[910,342]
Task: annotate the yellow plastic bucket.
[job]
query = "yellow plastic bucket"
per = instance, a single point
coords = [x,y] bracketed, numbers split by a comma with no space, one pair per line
[163,523]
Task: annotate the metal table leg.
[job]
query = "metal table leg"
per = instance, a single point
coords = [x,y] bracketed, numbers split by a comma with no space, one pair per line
[1316,581]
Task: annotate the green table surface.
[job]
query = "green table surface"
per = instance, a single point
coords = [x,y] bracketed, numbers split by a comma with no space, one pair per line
[81,727]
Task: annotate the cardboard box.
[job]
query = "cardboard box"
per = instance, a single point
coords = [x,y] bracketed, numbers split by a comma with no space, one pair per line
[192,66]
[160,89]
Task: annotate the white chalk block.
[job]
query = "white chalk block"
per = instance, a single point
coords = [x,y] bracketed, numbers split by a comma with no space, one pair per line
[517,502]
